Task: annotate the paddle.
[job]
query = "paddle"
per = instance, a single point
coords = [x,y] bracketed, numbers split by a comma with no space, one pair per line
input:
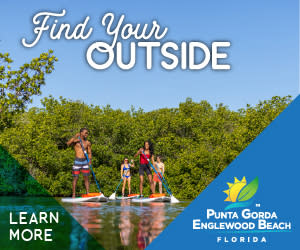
[162,176]
[113,195]
[173,199]
[90,165]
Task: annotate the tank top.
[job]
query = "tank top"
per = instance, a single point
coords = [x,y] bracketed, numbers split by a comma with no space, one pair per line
[160,166]
[143,159]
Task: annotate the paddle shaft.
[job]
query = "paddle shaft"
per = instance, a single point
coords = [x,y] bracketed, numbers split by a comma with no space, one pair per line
[90,165]
[167,188]
[162,176]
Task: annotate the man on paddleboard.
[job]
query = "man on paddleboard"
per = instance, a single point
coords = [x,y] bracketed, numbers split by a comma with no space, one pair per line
[146,153]
[81,164]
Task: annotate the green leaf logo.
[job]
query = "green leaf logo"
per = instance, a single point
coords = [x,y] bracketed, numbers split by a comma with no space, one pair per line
[248,191]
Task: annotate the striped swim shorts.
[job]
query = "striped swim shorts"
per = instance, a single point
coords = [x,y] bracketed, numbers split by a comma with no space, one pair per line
[80,164]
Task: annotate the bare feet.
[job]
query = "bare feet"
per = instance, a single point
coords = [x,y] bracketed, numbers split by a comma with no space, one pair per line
[73,196]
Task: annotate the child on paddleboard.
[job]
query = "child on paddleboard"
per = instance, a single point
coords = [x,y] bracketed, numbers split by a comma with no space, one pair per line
[125,174]
[160,169]
[146,153]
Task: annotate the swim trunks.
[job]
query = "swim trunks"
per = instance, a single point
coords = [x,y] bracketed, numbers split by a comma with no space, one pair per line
[80,165]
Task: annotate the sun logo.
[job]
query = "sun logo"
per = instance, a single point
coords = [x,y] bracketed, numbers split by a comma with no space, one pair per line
[234,189]
[239,192]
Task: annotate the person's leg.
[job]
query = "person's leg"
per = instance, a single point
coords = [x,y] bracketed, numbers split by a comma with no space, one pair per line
[86,183]
[129,187]
[141,184]
[74,185]
[151,183]
[149,174]
[141,173]
[123,187]
[154,183]
[75,174]
[86,172]
[160,187]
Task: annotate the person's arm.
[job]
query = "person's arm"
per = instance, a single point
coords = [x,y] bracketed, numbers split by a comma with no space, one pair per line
[163,169]
[155,166]
[132,163]
[122,170]
[152,159]
[73,140]
[138,152]
[89,151]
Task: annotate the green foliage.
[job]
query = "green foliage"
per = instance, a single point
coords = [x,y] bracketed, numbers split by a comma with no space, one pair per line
[249,191]
[14,179]
[18,86]
[195,140]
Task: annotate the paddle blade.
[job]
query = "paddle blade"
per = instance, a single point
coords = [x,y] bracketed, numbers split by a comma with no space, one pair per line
[112,197]
[173,199]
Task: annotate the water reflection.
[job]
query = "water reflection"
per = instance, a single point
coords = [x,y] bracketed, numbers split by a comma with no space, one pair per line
[88,220]
[122,224]
[151,224]
[78,237]
[158,213]
[126,226]
[87,216]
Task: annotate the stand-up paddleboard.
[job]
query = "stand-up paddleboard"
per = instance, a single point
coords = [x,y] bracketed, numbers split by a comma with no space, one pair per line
[91,197]
[129,197]
[153,198]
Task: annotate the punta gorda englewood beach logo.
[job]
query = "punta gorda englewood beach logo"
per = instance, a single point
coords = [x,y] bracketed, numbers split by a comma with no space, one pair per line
[247,225]
[239,193]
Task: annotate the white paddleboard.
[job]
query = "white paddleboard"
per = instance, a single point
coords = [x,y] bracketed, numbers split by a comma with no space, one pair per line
[126,197]
[99,198]
[155,199]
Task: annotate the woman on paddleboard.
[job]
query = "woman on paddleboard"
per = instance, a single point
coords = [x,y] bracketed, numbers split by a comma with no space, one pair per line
[160,169]
[146,153]
[125,174]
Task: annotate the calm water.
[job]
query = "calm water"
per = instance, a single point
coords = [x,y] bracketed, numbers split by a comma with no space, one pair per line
[124,224]
[115,225]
